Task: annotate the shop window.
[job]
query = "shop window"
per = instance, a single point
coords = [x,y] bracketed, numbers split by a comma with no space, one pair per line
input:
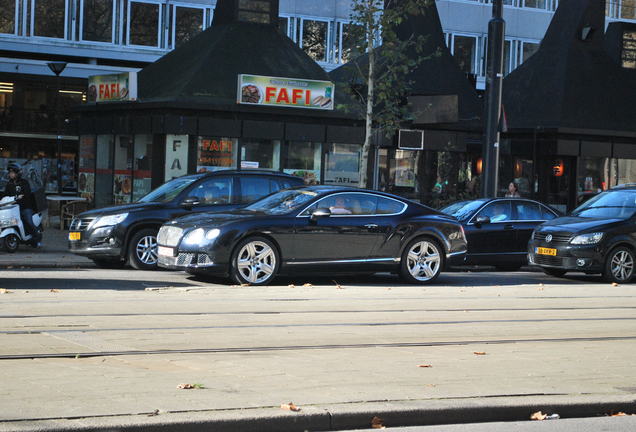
[122,183]
[188,23]
[260,154]
[86,168]
[464,51]
[143,24]
[49,18]
[629,50]
[529,48]
[314,41]
[628,9]
[302,159]
[403,169]
[518,171]
[216,153]
[593,175]
[254,187]
[104,171]
[7,16]
[215,191]
[342,164]
[97,20]
[142,172]
[625,171]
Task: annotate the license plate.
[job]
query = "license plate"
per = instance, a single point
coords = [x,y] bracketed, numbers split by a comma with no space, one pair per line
[546,251]
[74,236]
[166,251]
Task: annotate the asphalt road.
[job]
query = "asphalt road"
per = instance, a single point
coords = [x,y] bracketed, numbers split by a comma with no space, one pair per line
[112,344]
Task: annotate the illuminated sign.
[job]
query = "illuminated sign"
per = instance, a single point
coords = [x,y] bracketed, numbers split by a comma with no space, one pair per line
[112,88]
[285,92]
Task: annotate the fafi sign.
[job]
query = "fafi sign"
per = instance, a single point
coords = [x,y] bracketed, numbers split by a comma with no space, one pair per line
[112,88]
[287,92]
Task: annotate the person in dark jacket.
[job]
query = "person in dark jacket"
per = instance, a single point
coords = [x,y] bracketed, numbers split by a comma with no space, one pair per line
[19,188]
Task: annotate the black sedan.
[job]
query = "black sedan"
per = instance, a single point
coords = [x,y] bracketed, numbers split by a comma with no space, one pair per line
[498,229]
[315,229]
[597,237]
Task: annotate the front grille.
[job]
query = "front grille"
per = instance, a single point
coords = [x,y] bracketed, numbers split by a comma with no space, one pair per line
[80,224]
[185,259]
[203,259]
[169,236]
[548,260]
[556,238]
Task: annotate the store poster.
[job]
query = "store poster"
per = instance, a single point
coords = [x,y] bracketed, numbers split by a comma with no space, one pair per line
[176,156]
[86,175]
[216,154]
[122,188]
[285,92]
[113,87]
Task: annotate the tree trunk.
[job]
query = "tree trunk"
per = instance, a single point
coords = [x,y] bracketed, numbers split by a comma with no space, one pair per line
[364,157]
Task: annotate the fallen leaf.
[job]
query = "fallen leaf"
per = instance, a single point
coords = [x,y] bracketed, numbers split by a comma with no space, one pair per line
[308,285]
[5,291]
[190,386]
[538,416]
[338,286]
[614,284]
[425,365]
[291,286]
[53,290]
[377,423]
[620,414]
[290,406]
[479,353]
[245,284]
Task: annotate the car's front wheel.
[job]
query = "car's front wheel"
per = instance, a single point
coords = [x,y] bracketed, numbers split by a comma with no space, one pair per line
[142,251]
[422,261]
[255,261]
[619,265]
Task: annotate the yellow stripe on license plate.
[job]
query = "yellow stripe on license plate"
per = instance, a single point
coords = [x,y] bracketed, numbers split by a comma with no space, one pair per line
[74,236]
[546,251]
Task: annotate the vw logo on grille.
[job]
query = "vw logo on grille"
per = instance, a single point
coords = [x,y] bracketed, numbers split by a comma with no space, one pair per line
[548,238]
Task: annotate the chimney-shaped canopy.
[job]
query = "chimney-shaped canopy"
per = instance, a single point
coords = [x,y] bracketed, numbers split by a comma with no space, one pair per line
[251,11]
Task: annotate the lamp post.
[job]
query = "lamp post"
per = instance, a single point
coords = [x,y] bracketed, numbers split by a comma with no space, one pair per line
[57,68]
[494,80]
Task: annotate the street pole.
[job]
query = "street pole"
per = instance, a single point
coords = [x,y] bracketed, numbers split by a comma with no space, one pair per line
[492,111]
[57,68]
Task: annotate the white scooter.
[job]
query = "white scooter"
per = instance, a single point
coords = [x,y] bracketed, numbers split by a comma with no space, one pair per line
[11,228]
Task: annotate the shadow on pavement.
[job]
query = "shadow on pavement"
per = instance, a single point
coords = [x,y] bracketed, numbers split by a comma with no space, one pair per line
[19,283]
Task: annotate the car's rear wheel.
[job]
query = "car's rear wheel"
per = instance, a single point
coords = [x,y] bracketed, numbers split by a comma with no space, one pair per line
[422,261]
[554,272]
[619,265]
[255,261]
[142,250]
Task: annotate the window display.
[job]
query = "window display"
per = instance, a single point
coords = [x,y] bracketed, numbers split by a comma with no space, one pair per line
[342,164]
[122,185]
[104,171]
[260,154]
[216,153]
[302,159]
[142,167]
[86,175]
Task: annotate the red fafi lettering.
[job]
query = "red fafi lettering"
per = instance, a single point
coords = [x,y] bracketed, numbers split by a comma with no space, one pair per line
[297,95]
[307,97]
[283,96]
[270,92]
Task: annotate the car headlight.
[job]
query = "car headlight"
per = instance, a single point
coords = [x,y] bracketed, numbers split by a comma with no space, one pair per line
[585,239]
[109,220]
[7,222]
[200,236]
[212,234]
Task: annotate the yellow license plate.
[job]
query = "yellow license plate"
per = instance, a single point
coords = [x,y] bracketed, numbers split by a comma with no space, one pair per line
[546,251]
[74,236]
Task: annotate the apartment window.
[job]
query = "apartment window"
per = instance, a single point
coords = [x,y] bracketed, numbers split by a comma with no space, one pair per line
[629,49]
[314,39]
[97,20]
[188,22]
[283,25]
[464,51]
[49,18]
[628,9]
[529,48]
[508,58]
[7,16]
[143,24]
[538,4]
[345,41]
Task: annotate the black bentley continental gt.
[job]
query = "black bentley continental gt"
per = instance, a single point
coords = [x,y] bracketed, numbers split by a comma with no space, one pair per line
[315,229]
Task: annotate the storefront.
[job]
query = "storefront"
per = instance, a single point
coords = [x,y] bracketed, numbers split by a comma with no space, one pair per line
[285,115]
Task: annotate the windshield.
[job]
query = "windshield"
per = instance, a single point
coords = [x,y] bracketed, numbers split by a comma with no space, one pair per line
[168,191]
[283,202]
[609,205]
[462,210]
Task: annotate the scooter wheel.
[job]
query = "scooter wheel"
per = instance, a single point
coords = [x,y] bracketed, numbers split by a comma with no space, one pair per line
[11,243]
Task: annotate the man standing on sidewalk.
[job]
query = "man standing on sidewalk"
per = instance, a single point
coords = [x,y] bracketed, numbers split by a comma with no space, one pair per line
[19,188]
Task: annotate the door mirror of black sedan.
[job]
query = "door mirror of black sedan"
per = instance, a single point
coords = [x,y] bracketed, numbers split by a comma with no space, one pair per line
[320,213]
[190,202]
[482,220]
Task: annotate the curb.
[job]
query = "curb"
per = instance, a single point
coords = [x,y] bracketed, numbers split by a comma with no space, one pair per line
[341,416]
[35,264]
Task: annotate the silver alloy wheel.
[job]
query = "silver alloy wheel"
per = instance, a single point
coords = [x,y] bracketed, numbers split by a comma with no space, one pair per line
[423,261]
[147,250]
[256,262]
[622,265]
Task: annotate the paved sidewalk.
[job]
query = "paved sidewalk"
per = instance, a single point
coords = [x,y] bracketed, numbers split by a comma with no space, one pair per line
[53,253]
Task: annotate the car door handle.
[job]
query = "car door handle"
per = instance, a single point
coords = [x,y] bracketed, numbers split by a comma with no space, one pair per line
[508,226]
[371,226]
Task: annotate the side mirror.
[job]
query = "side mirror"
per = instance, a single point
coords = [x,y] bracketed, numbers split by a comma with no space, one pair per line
[482,220]
[190,202]
[320,213]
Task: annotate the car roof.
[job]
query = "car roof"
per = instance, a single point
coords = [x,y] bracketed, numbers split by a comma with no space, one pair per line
[247,172]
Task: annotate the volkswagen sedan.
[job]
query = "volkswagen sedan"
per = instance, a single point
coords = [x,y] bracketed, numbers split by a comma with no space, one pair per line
[315,229]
